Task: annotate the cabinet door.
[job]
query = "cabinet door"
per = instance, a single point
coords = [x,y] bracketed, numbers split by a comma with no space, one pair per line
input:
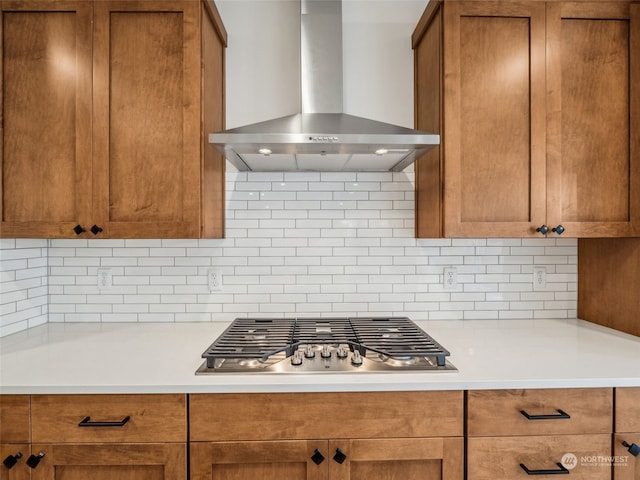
[593,129]
[626,466]
[271,460]
[494,118]
[19,471]
[46,117]
[111,462]
[146,136]
[405,458]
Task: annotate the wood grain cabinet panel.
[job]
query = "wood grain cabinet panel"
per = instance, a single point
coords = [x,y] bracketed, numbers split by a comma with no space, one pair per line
[627,436]
[143,418]
[565,411]
[105,112]
[408,435]
[46,117]
[14,419]
[548,431]
[271,460]
[325,415]
[534,102]
[15,435]
[111,461]
[19,470]
[498,458]
[593,118]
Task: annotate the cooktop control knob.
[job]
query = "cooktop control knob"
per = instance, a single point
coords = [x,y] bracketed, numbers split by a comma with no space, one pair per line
[326,352]
[356,358]
[309,352]
[296,359]
[342,352]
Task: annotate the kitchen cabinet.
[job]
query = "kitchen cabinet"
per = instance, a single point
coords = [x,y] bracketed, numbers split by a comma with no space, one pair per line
[607,267]
[535,106]
[626,442]
[546,431]
[14,437]
[407,435]
[105,109]
[141,437]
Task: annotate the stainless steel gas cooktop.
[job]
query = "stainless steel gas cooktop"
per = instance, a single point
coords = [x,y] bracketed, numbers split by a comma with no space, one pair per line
[324,345]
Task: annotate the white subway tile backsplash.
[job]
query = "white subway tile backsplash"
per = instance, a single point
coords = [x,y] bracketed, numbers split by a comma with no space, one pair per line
[297,243]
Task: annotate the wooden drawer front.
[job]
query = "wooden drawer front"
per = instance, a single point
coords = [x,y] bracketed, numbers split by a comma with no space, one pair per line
[325,415]
[498,412]
[496,458]
[14,418]
[626,466]
[628,409]
[152,418]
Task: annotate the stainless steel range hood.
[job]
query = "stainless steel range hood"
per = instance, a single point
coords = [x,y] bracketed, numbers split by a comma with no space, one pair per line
[321,137]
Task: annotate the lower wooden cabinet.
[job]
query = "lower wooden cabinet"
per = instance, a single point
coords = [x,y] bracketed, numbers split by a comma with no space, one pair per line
[111,462]
[17,470]
[498,458]
[352,459]
[626,440]
[289,459]
[329,436]
[518,433]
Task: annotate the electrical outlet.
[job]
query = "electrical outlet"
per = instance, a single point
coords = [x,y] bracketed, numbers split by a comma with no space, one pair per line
[214,279]
[450,278]
[105,279]
[539,278]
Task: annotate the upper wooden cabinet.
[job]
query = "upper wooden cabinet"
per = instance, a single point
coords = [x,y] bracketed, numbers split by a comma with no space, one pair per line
[536,105]
[106,107]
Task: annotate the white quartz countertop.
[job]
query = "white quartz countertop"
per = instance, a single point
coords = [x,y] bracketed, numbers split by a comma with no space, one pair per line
[162,358]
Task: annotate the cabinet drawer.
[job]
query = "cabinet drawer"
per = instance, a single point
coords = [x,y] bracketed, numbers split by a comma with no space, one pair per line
[551,412]
[295,416]
[628,409]
[112,418]
[497,458]
[626,466]
[14,418]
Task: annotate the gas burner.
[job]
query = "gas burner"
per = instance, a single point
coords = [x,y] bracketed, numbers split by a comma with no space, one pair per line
[324,345]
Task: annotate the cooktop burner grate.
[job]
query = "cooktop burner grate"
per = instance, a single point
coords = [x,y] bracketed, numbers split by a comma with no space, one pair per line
[262,338]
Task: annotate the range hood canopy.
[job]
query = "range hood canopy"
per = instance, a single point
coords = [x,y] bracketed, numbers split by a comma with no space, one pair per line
[321,137]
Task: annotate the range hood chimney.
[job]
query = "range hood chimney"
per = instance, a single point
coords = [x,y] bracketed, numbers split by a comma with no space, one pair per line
[322,137]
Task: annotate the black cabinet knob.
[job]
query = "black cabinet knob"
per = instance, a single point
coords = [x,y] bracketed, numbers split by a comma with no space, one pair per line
[543,229]
[11,460]
[34,460]
[78,229]
[559,229]
[633,448]
[95,229]
[339,457]
[317,457]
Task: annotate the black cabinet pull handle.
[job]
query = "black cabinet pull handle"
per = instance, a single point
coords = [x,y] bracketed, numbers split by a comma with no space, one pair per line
[339,457]
[559,229]
[317,457]
[11,460]
[561,470]
[95,229]
[86,422]
[543,229]
[633,449]
[34,460]
[78,229]
[561,415]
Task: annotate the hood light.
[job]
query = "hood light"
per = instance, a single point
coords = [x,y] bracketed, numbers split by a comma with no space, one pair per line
[265,151]
[382,151]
